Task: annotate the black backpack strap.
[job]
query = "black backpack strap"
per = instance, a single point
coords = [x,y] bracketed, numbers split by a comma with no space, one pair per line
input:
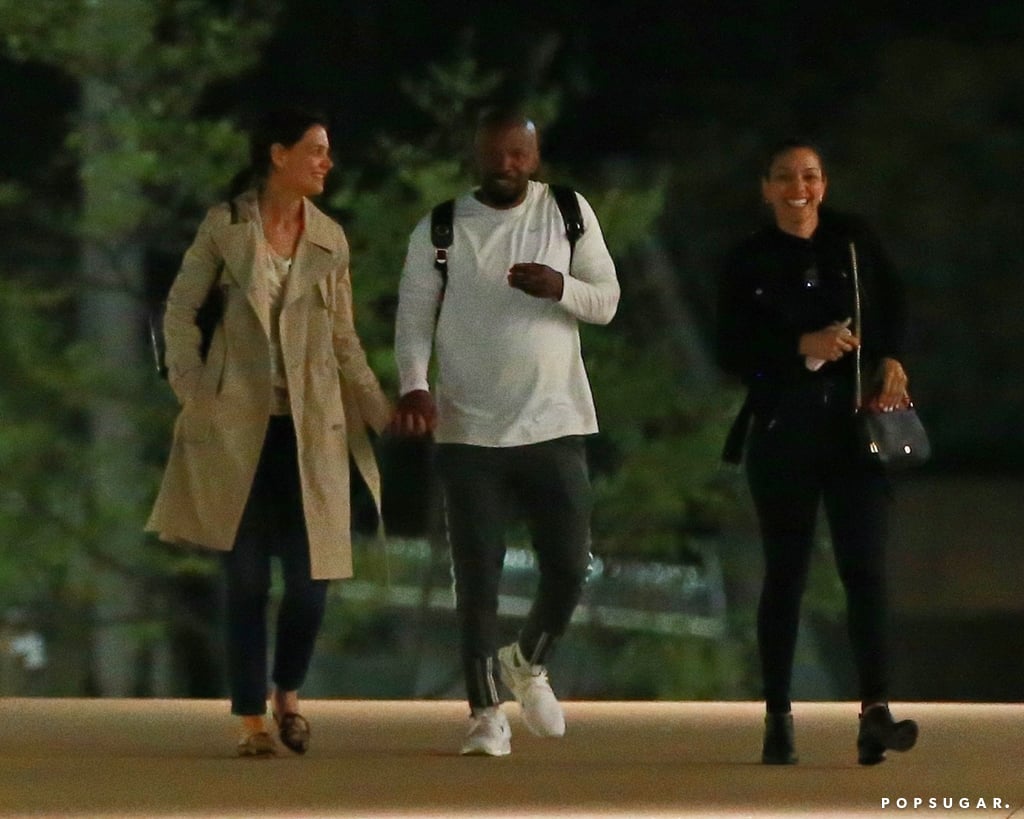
[211,311]
[208,316]
[569,207]
[441,234]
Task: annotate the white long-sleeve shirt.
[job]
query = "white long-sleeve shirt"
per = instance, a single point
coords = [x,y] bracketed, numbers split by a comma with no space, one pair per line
[509,367]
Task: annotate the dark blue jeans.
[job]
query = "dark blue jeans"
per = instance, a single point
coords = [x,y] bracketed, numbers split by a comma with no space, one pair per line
[548,483]
[799,456]
[272,525]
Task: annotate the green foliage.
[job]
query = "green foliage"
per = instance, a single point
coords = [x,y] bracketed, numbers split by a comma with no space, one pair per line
[11,194]
[449,96]
[666,442]
[188,41]
[76,481]
[141,69]
[40,456]
[628,211]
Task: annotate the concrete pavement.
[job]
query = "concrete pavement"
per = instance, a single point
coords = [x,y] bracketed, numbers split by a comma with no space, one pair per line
[164,758]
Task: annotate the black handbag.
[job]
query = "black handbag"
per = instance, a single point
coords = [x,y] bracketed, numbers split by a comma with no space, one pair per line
[895,439]
[411,500]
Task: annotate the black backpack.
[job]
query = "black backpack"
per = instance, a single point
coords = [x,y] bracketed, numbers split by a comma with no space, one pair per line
[442,234]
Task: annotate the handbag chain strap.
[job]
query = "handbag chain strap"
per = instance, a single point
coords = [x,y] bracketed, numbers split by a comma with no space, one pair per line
[856,324]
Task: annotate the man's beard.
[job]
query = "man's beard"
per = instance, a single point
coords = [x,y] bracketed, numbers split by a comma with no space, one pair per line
[503,191]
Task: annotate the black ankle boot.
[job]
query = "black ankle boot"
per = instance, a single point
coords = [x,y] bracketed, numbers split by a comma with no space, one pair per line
[880,733]
[778,746]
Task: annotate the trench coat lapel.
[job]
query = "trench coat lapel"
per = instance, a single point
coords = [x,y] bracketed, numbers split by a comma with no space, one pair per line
[316,255]
[239,244]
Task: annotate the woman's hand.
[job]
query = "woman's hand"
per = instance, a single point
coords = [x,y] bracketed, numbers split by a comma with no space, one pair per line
[829,343]
[892,393]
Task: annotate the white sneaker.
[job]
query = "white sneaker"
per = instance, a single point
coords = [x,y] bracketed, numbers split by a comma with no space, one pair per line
[529,685]
[489,734]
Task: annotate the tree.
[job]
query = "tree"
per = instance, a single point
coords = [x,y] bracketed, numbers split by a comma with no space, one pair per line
[138,72]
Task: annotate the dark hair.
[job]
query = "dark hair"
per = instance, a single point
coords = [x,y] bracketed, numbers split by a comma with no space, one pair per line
[284,126]
[784,146]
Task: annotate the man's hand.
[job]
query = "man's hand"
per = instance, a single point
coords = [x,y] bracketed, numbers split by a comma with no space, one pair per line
[415,415]
[536,280]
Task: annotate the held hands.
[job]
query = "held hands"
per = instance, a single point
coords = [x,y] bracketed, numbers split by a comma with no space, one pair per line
[536,280]
[829,343]
[415,415]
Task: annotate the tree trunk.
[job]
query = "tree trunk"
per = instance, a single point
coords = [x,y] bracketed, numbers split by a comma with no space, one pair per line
[111,273]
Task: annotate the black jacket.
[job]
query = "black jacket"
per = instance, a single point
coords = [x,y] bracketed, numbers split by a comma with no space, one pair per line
[774,287]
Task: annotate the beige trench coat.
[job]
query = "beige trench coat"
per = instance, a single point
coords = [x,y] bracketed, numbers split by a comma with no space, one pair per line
[225,403]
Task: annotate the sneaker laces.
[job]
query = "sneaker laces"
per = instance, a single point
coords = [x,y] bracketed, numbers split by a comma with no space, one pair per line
[523,666]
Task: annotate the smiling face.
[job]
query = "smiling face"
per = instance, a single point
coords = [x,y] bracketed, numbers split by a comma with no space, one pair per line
[303,167]
[507,156]
[794,188]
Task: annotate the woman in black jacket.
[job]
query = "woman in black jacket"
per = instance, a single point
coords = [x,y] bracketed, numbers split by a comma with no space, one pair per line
[785,303]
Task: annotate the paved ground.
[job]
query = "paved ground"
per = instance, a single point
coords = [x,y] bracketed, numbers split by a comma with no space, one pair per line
[159,758]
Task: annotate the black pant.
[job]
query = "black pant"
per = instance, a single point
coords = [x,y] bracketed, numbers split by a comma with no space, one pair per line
[800,454]
[549,483]
[272,524]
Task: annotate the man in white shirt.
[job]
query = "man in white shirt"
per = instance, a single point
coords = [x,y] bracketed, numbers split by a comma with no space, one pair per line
[512,404]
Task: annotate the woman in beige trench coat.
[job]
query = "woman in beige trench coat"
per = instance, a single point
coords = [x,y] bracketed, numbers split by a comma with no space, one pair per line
[259,463]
